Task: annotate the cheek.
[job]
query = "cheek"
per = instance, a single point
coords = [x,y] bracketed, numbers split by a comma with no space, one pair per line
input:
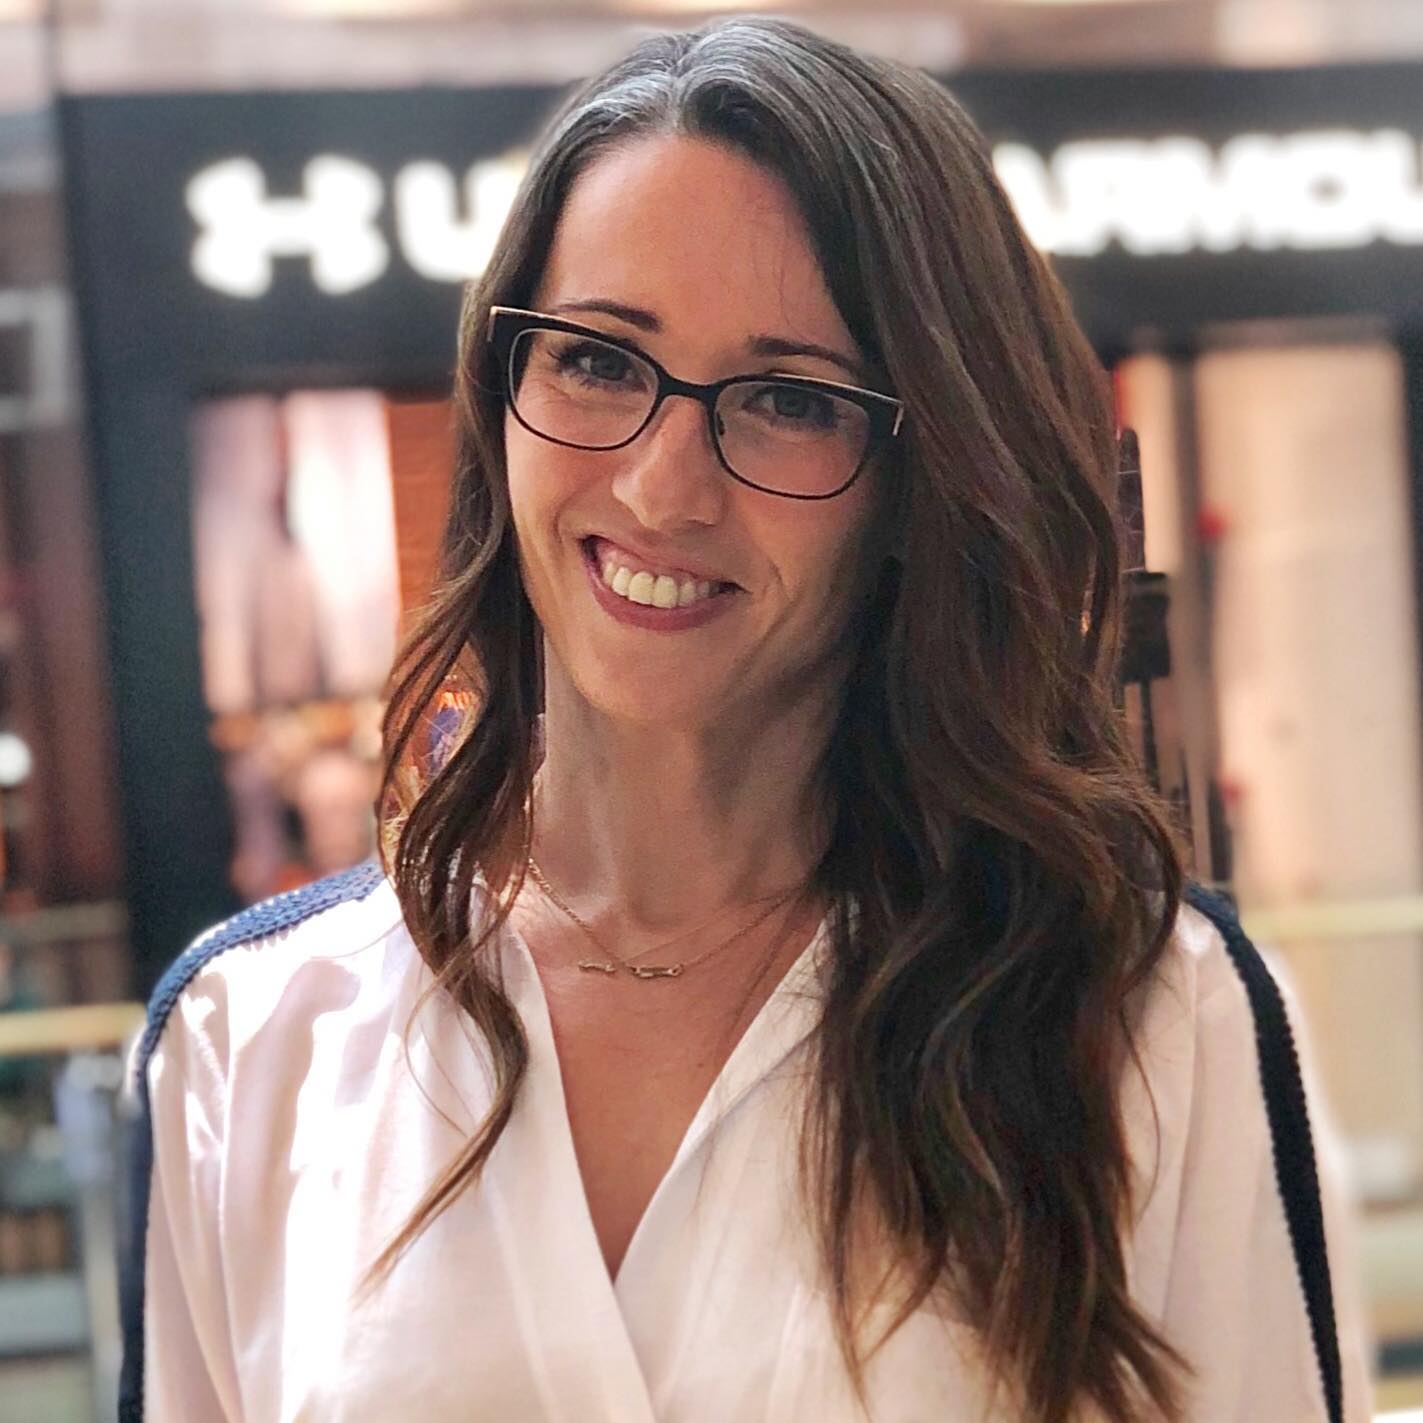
[820,547]
[541,478]
[527,468]
[820,558]
[536,493]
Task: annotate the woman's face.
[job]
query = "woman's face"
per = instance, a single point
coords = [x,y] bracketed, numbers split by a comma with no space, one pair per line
[699,257]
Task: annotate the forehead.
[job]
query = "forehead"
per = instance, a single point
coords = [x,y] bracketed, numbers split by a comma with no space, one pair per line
[698,234]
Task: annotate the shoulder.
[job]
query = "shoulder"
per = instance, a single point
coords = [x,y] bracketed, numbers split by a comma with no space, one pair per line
[301,950]
[1224,1129]
[1211,981]
[1217,1031]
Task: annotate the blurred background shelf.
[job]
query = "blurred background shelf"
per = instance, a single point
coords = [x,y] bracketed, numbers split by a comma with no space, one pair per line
[42,1314]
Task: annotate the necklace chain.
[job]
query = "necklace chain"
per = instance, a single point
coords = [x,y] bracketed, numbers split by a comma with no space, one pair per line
[619,963]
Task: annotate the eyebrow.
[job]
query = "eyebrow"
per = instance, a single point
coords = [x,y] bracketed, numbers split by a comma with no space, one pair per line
[761,345]
[781,346]
[633,315]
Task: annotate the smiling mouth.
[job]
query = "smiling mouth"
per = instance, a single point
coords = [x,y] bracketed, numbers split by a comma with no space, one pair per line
[623,575]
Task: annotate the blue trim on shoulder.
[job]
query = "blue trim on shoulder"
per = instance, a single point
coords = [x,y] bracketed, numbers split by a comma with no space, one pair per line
[1293,1148]
[284,911]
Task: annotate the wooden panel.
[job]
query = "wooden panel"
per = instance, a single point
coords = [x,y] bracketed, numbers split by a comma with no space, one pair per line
[421,468]
[82,859]
[1303,456]
[56,696]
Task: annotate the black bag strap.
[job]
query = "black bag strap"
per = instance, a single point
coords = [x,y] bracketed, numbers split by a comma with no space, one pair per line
[1293,1147]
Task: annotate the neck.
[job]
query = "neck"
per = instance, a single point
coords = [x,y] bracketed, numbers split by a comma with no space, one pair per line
[656,829]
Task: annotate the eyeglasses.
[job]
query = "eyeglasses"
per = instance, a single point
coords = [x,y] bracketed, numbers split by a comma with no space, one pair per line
[795,436]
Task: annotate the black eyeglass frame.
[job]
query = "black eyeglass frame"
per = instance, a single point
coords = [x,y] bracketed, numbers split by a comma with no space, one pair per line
[507,323]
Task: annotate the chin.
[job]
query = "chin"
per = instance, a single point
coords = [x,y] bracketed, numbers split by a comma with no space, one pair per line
[648,701]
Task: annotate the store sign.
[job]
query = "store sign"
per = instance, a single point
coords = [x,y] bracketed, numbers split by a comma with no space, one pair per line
[1310,191]
[333,223]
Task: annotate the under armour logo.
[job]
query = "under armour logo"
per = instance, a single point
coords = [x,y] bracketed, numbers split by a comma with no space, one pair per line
[437,242]
[243,230]
[1316,190]
[445,235]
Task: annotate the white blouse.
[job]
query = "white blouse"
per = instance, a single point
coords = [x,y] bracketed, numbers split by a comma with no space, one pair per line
[290,1139]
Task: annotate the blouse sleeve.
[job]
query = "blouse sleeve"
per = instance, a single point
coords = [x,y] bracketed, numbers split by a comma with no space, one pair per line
[187,1373]
[1246,1293]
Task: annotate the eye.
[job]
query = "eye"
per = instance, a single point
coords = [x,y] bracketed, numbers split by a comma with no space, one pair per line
[793,405]
[596,363]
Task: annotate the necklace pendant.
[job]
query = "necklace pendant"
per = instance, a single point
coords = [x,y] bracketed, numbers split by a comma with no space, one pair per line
[593,966]
[653,970]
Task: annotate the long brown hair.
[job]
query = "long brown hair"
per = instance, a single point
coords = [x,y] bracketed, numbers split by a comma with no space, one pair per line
[1012,879]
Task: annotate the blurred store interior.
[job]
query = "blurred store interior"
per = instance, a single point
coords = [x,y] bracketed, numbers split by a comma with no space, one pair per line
[231,247]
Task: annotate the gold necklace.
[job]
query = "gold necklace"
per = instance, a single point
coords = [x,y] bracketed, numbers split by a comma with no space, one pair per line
[647,971]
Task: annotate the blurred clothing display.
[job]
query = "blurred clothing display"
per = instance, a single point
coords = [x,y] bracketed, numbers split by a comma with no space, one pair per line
[342,517]
[296,588]
[294,540]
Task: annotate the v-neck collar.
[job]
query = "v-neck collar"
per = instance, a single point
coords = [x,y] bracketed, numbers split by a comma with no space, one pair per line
[781,1024]
[537,1189]
[783,1021]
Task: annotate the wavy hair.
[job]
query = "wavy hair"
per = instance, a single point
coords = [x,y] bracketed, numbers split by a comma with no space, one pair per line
[1012,877]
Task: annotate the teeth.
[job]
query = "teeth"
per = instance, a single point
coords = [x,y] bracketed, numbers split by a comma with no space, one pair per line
[654,590]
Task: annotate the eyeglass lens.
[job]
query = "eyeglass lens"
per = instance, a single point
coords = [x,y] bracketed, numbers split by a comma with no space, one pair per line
[781,437]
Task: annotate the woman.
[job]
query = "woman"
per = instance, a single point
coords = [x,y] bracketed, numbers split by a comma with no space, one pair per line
[777,1000]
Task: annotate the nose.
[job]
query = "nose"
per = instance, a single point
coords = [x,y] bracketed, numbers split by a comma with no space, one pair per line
[670,477]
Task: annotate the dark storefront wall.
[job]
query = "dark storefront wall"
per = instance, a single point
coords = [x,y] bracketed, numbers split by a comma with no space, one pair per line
[157,338]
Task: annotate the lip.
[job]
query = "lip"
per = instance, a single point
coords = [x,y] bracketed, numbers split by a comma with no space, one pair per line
[640,615]
[632,554]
